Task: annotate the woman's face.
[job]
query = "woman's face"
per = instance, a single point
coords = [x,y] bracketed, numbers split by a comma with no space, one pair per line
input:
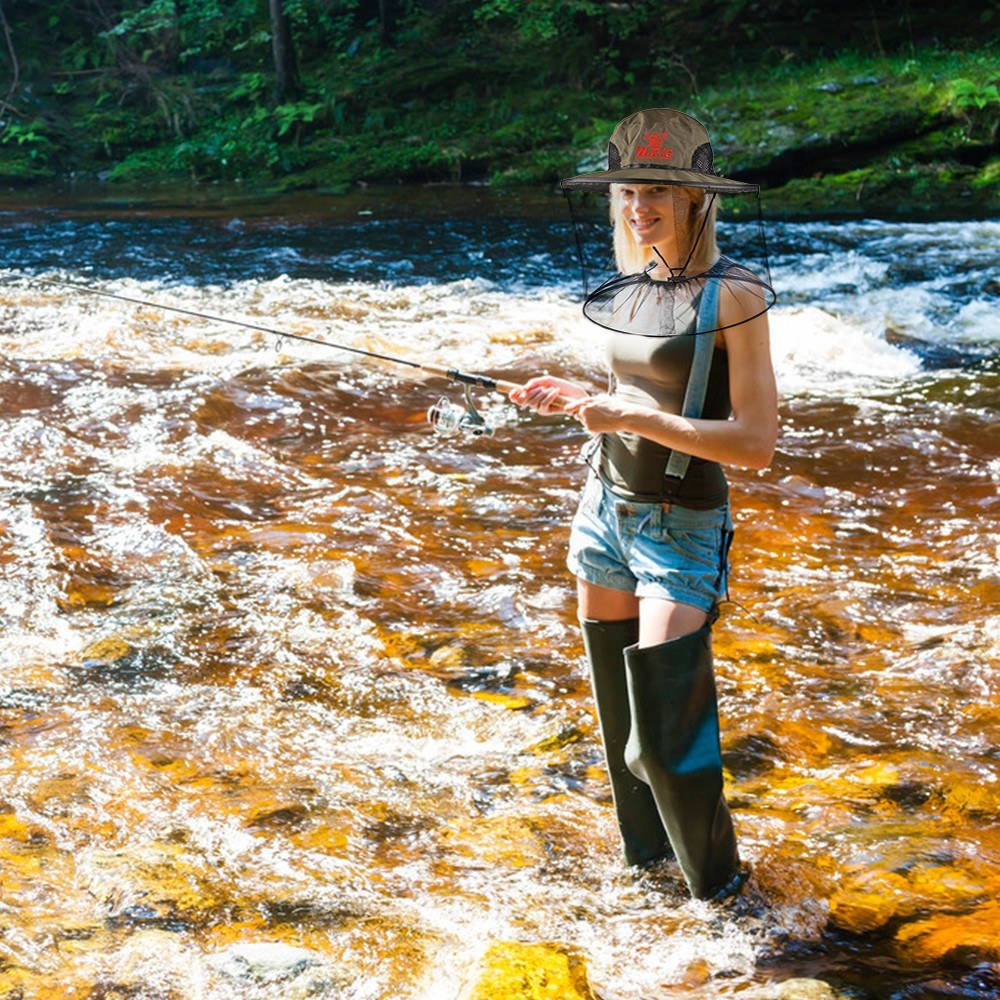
[652,211]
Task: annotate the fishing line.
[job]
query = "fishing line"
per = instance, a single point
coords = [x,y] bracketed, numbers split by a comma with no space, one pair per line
[444,415]
[280,334]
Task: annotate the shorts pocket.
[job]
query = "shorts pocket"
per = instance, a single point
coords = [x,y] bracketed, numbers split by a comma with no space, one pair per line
[696,537]
[699,545]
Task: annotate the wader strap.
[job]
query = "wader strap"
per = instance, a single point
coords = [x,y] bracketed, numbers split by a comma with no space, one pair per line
[697,387]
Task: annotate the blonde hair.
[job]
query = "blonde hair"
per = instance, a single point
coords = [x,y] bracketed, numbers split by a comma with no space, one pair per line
[632,258]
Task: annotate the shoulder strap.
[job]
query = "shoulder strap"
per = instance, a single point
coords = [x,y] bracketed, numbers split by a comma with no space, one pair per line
[697,386]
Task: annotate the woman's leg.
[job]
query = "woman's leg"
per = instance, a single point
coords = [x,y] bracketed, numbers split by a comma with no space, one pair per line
[660,620]
[604,604]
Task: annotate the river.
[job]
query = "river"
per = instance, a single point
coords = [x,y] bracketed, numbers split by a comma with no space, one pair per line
[292,699]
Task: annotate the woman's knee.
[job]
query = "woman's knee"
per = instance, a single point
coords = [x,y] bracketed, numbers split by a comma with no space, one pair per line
[660,620]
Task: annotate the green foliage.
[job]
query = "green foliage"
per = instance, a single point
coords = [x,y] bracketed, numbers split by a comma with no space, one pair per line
[967,94]
[545,19]
[289,116]
[33,138]
[498,90]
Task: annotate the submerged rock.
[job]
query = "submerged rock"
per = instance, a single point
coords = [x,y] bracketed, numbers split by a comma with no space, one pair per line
[264,961]
[868,901]
[797,989]
[513,971]
[953,937]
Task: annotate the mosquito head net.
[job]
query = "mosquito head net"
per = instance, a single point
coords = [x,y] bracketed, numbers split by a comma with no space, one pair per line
[662,197]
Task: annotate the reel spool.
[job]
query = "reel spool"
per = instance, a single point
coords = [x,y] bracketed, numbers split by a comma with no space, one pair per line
[448,418]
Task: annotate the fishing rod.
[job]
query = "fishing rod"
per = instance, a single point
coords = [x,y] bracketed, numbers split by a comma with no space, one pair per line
[444,416]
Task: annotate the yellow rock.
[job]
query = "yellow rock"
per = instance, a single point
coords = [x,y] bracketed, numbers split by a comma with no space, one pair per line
[803,989]
[108,650]
[878,775]
[13,828]
[449,657]
[497,840]
[484,567]
[513,971]
[512,701]
[88,595]
[868,902]
[975,934]
[756,649]
[948,886]
[524,775]
[802,739]
[972,796]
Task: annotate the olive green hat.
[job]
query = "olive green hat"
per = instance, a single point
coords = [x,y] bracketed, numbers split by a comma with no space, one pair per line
[660,146]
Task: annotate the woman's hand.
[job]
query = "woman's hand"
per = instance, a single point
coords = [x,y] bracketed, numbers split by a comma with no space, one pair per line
[600,414]
[547,394]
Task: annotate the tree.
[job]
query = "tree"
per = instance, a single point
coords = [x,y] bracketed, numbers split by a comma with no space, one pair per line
[286,70]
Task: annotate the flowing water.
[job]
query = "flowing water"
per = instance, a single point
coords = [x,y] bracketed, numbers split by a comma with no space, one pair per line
[292,699]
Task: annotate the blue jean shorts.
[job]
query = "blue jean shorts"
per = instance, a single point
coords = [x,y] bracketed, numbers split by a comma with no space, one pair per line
[650,549]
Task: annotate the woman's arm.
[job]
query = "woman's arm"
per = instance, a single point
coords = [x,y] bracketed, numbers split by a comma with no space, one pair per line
[748,439]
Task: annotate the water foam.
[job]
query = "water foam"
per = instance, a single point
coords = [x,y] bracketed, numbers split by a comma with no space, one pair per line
[819,353]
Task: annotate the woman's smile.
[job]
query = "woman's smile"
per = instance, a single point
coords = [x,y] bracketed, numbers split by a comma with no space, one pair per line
[643,225]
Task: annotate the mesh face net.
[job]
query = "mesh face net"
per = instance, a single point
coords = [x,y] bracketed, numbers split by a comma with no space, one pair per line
[647,250]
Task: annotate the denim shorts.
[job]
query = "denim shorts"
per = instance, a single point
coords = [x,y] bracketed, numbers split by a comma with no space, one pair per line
[650,549]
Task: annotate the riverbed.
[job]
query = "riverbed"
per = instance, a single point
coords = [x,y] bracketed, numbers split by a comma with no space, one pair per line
[292,697]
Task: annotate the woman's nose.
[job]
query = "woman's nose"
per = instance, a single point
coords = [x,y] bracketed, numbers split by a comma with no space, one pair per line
[640,203]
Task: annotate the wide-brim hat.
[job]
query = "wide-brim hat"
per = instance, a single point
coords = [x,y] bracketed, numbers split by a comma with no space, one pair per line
[660,146]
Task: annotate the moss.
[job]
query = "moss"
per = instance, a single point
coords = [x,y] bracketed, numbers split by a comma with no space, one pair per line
[988,179]
[17,167]
[924,190]
[544,166]
[850,133]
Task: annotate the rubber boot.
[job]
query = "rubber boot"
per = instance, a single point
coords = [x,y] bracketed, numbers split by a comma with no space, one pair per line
[674,748]
[643,836]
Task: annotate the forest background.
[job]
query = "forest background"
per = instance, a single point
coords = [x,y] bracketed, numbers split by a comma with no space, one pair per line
[858,107]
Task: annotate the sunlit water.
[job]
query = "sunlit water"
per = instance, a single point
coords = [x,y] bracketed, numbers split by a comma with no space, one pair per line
[282,666]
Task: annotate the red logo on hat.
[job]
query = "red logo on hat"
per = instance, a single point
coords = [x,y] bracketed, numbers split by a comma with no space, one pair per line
[654,148]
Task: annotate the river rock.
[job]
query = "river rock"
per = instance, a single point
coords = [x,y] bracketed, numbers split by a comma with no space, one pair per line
[152,884]
[952,936]
[504,841]
[796,989]
[264,961]
[806,989]
[868,901]
[510,970]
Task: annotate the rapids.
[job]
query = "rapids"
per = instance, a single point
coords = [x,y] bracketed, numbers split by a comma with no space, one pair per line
[292,700]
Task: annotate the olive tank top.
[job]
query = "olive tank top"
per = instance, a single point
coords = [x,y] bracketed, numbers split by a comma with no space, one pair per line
[653,371]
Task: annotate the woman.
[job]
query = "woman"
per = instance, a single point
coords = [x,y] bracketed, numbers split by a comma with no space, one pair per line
[649,542]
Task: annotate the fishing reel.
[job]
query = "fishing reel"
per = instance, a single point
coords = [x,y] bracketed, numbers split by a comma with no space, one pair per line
[449,418]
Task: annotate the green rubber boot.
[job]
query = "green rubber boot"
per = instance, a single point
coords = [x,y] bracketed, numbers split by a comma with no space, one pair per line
[643,836]
[674,748]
